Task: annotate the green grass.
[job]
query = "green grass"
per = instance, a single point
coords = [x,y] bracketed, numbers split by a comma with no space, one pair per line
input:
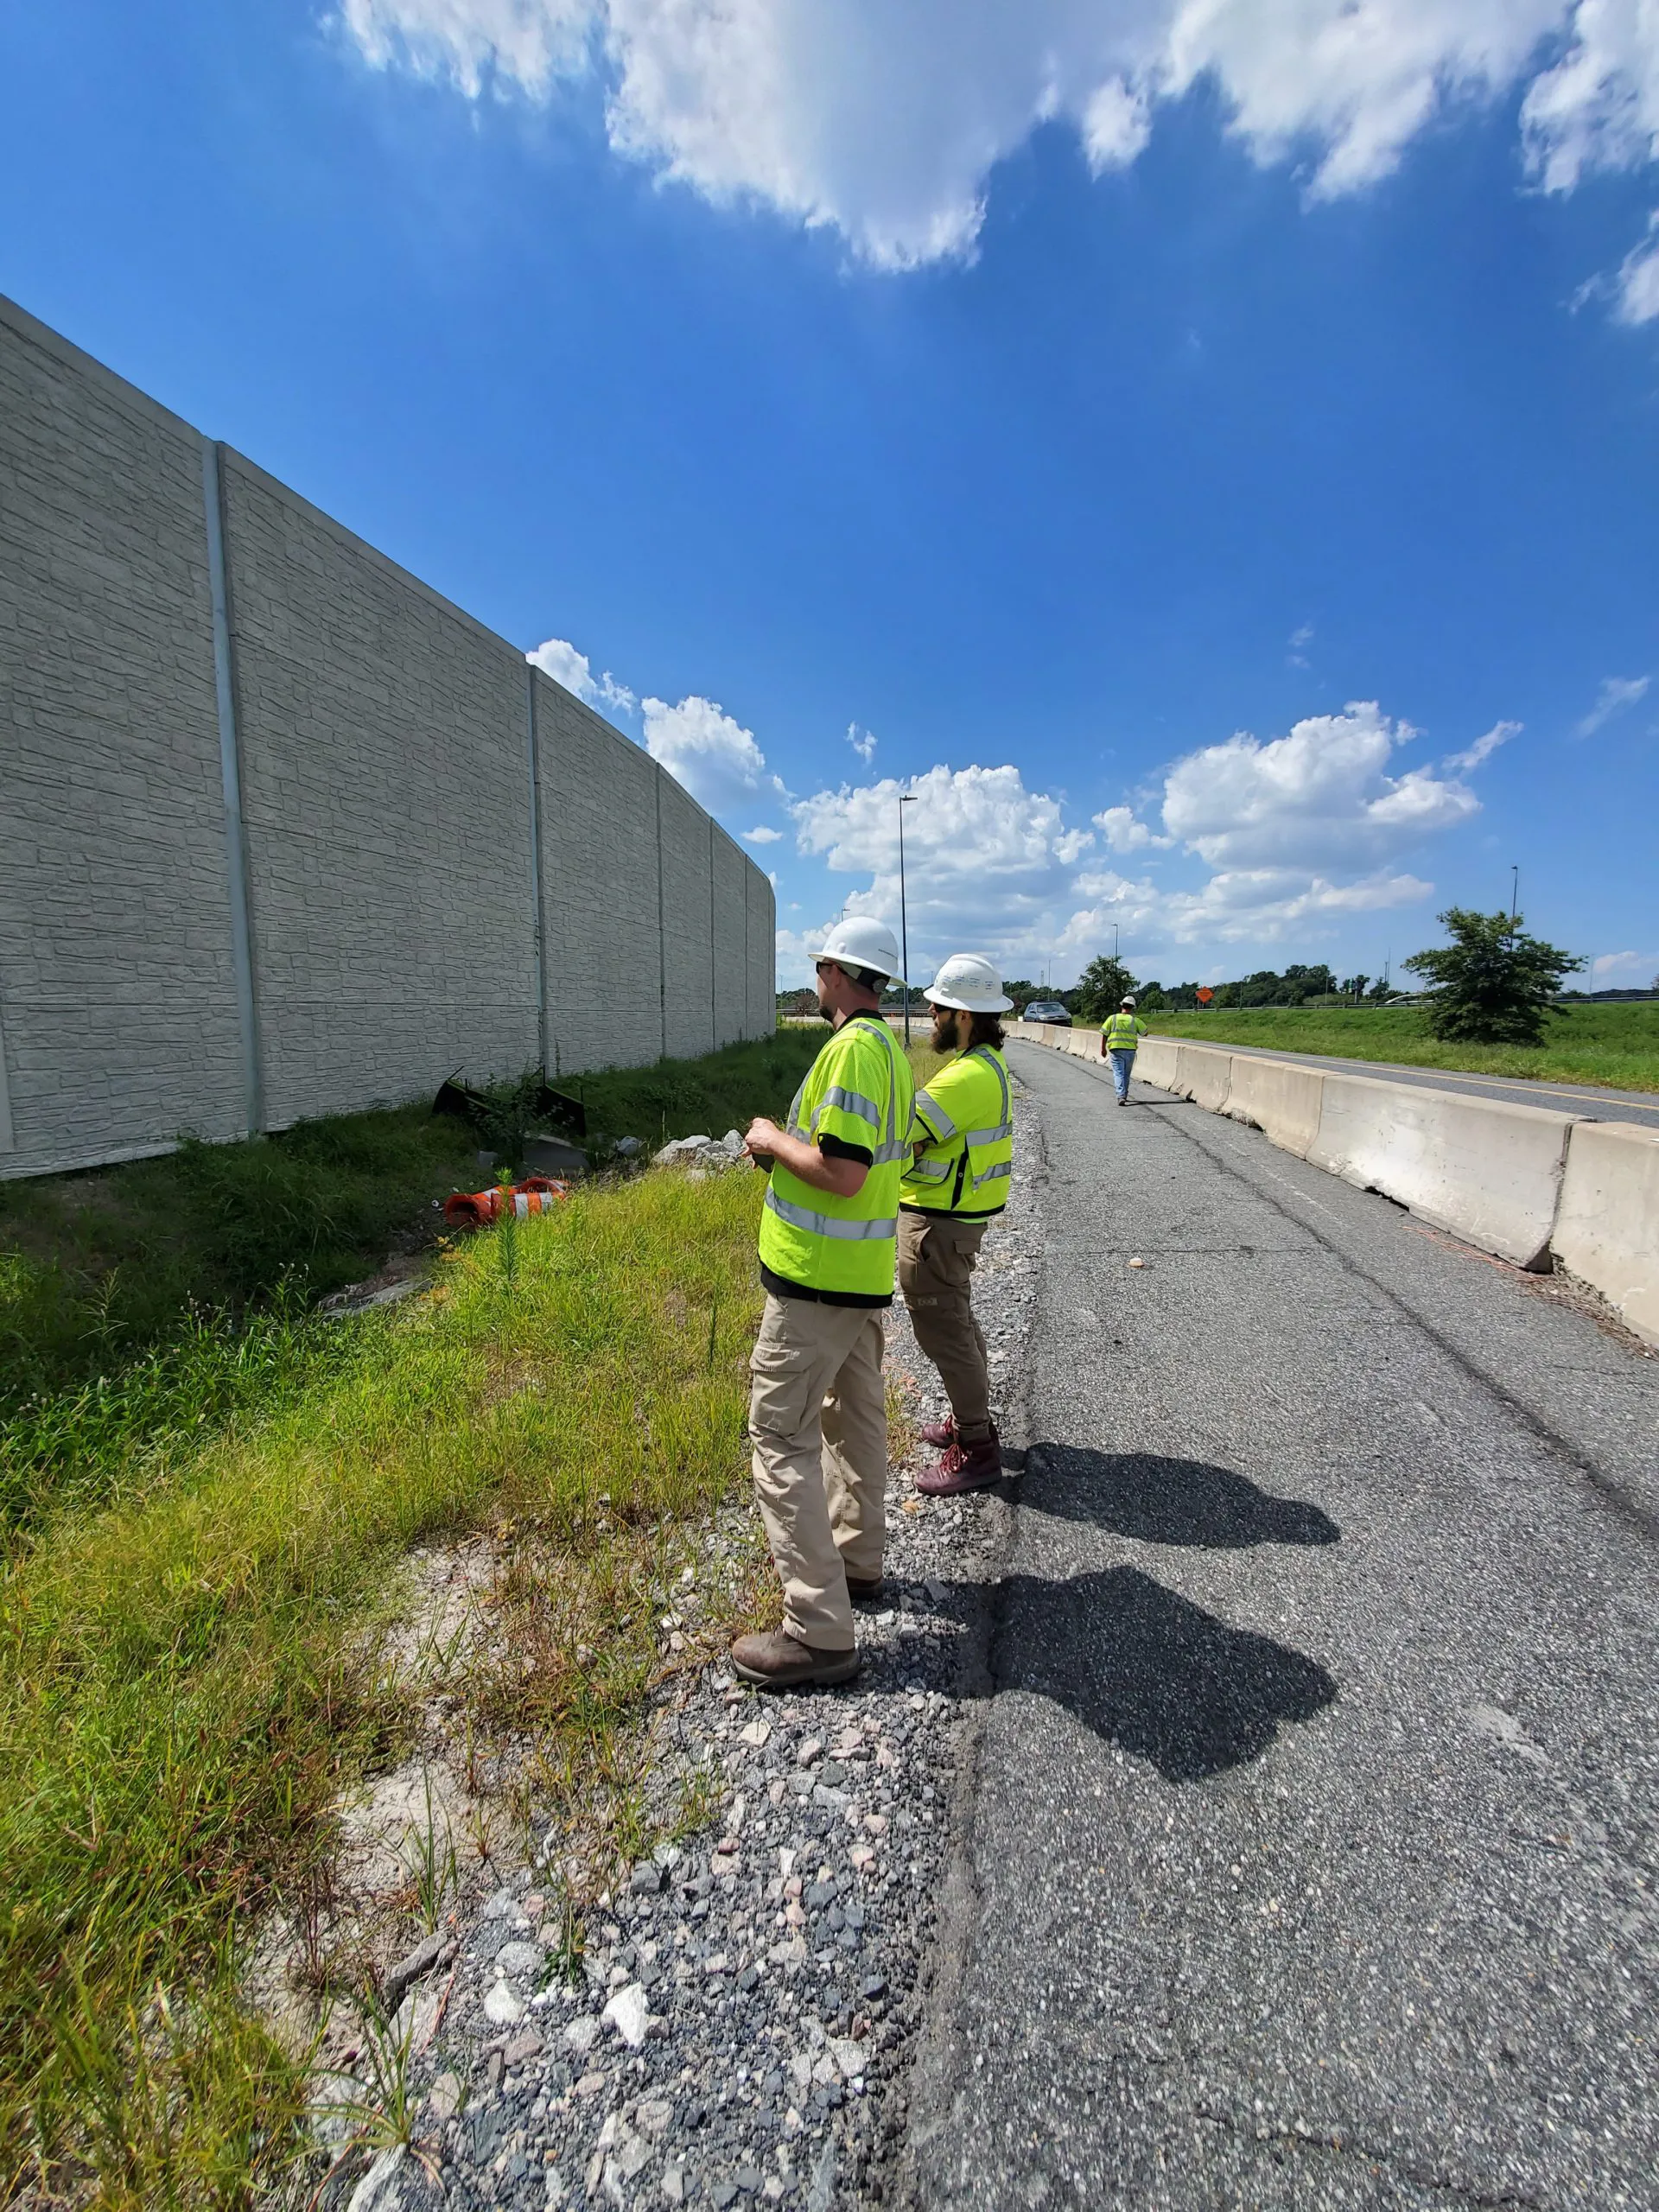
[207,1489]
[144,1305]
[1616,1045]
[678,1098]
[95,1268]
[185,1683]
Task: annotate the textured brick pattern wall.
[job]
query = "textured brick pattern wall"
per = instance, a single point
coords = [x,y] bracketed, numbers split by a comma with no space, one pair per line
[688,906]
[385,740]
[732,869]
[599,888]
[384,743]
[117,991]
[763,962]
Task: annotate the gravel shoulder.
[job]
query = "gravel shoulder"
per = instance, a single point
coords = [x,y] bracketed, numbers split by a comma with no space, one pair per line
[741,2027]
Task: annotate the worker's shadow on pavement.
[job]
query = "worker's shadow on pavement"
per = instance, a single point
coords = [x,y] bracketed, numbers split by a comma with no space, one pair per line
[1150,1672]
[1167,1501]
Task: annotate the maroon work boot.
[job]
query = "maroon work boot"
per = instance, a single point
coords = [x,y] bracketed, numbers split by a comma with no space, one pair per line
[941,1435]
[963,1467]
[777,1661]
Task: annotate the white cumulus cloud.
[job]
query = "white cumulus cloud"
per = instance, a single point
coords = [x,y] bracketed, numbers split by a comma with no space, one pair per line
[1320,797]
[1633,970]
[862,742]
[1296,834]
[1616,692]
[763,834]
[558,658]
[885,118]
[704,748]
[1125,833]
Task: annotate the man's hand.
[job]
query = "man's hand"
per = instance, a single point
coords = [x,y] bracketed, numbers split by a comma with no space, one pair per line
[769,1144]
[761,1142]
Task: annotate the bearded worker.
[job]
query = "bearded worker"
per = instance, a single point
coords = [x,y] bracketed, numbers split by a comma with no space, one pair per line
[818,1403]
[955,1185]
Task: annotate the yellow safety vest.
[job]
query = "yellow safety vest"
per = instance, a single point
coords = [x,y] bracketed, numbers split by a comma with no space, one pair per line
[860,1088]
[965,1119]
[1122,1031]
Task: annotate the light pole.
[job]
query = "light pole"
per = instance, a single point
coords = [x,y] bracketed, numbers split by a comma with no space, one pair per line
[906,798]
[1515,894]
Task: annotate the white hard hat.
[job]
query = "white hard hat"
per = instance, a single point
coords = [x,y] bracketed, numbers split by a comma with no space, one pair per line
[859,941]
[1127,998]
[971,984]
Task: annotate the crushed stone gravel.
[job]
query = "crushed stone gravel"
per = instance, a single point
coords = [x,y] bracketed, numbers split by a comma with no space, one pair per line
[740,2027]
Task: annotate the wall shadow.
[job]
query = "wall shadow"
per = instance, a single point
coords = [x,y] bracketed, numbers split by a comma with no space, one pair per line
[1163,1501]
[1152,1674]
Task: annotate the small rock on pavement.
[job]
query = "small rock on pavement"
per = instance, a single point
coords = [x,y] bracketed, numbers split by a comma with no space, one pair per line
[629,2014]
[646,1880]
[503,2007]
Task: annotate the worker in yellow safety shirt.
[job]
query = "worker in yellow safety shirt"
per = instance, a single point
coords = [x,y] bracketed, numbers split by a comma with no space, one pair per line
[818,1403]
[955,1187]
[1119,1035]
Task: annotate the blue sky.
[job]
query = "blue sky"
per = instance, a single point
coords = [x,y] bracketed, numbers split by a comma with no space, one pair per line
[1208,449]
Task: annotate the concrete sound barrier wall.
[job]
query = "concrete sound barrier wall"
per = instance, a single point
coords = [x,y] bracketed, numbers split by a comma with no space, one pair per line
[1607,1228]
[282,831]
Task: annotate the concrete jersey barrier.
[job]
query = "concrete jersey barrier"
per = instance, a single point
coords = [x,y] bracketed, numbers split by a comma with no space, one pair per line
[1488,1171]
[1531,1185]
[1607,1228]
[1279,1098]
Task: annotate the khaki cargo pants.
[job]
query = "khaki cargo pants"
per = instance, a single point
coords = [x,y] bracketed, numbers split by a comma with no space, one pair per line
[818,1426]
[937,1257]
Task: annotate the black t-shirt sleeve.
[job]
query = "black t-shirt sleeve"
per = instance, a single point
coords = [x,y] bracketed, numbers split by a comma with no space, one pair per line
[833,1148]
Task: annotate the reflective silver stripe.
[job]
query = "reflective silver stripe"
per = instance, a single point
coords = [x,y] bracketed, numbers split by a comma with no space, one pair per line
[947,1128]
[852,1102]
[1004,1167]
[884,1154]
[990,1136]
[824,1224]
[983,1052]
[929,1171]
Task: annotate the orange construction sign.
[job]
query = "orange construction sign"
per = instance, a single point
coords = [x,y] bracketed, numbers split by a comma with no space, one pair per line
[1204,995]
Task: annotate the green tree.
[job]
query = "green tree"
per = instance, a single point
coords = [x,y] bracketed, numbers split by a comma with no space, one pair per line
[1101,989]
[1493,983]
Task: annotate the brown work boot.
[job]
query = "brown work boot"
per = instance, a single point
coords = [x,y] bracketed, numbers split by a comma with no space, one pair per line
[864,1590]
[941,1435]
[776,1661]
[963,1467]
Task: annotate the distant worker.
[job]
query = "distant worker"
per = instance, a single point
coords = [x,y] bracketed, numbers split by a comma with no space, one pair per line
[817,1404]
[1119,1035]
[955,1185]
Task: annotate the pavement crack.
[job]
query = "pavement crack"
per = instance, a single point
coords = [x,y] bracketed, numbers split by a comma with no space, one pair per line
[1607,1490]
[1373,2154]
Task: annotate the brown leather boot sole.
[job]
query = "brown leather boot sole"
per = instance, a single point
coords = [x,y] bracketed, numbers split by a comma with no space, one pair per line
[776,1662]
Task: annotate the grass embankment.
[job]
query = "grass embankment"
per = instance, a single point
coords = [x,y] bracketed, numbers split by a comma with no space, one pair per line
[183,1687]
[1617,1045]
[206,1490]
[143,1306]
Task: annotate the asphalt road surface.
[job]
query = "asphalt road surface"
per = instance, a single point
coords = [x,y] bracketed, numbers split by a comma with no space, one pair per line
[1592,1099]
[1308,1859]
